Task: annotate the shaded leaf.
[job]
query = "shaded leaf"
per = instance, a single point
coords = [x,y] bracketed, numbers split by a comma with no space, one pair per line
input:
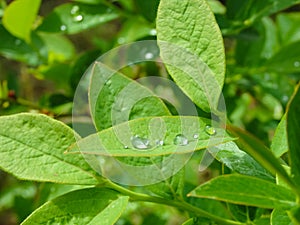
[280,217]
[73,18]
[293,127]
[239,161]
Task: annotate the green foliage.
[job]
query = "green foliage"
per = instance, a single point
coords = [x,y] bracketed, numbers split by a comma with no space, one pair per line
[119,144]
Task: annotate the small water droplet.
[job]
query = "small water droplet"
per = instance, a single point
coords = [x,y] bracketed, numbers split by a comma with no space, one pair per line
[75,10]
[108,10]
[78,18]
[125,146]
[18,42]
[121,40]
[140,143]
[195,136]
[296,64]
[180,140]
[210,130]
[159,142]
[153,32]
[63,27]
[149,55]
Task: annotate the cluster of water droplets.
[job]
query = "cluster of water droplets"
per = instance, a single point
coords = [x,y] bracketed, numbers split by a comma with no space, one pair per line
[142,143]
[76,14]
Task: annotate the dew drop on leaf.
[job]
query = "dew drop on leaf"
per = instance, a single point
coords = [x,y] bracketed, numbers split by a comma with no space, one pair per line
[78,18]
[140,143]
[149,55]
[63,27]
[195,136]
[210,130]
[296,64]
[159,142]
[75,10]
[125,146]
[180,140]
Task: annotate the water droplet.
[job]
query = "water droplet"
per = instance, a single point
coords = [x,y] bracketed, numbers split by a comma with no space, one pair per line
[181,140]
[296,64]
[78,18]
[153,32]
[210,130]
[63,27]
[140,143]
[125,146]
[195,136]
[159,142]
[75,10]
[18,42]
[149,55]
[121,40]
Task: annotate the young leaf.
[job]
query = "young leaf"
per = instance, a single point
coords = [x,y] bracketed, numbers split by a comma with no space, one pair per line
[107,88]
[280,217]
[246,190]
[32,148]
[73,18]
[293,127]
[164,135]
[279,144]
[86,206]
[239,161]
[19,17]
[192,48]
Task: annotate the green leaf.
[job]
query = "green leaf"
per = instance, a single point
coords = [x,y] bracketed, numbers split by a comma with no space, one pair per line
[288,27]
[111,142]
[32,147]
[293,127]
[191,46]
[261,154]
[279,144]
[17,49]
[239,161]
[248,11]
[73,18]
[189,222]
[92,2]
[170,188]
[59,48]
[87,206]
[19,17]
[135,28]
[246,190]
[107,89]
[286,60]
[280,217]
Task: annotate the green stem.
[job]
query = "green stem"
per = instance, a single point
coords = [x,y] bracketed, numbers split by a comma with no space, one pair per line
[178,204]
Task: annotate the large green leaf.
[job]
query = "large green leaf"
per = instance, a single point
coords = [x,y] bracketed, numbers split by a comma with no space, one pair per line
[19,17]
[279,144]
[246,190]
[293,127]
[161,132]
[112,96]
[87,206]
[288,27]
[192,48]
[72,18]
[32,148]
[239,161]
